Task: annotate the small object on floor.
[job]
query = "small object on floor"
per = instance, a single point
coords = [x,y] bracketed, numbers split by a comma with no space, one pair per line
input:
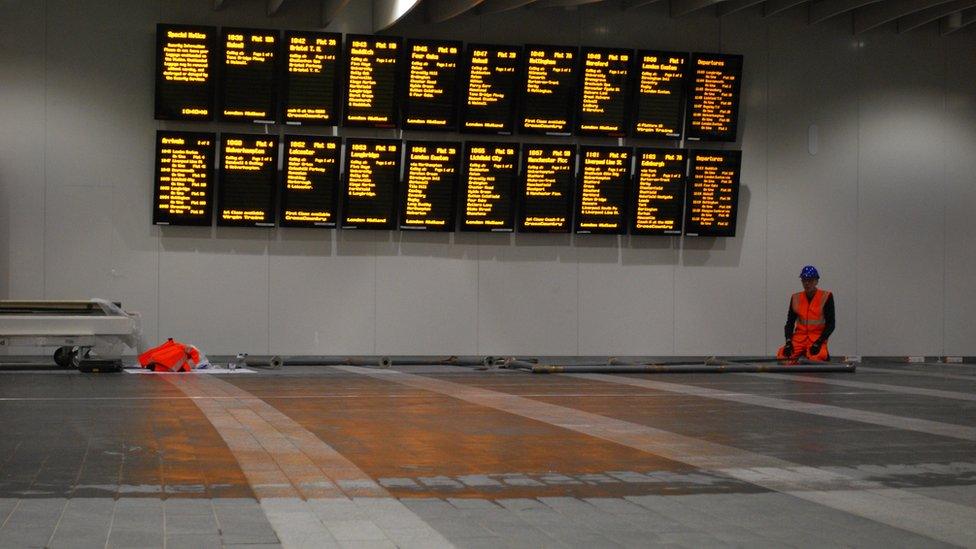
[99,366]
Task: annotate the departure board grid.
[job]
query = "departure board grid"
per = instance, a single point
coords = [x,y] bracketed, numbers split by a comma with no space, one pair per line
[431,92]
[490,172]
[491,88]
[545,199]
[184,72]
[369,195]
[713,97]
[246,188]
[712,193]
[657,205]
[428,196]
[309,188]
[603,105]
[603,190]
[183,188]
[248,91]
[372,64]
[660,94]
[311,78]
[549,90]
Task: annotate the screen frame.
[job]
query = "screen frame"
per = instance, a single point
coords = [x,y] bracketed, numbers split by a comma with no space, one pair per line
[344,207]
[275,76]
[283,182]
[402,194]
[221,181]
[397,78]
[737,184]
[211,81]
[459,71]
[211,157]
[635,190]
[682,97]
[578,202]
[285,80]
[733,134]
[509,226]
[523,93]
[514,93]
[522,199]
[626,95]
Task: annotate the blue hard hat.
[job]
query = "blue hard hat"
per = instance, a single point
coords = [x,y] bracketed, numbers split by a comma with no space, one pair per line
[809,272]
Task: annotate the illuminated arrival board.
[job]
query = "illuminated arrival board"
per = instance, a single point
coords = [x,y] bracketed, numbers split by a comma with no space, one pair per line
[713,193]
[430,101]
[492,85]
[246,189]
[372,171]
[713,99]
[184,72]
[549,90]
[429,191]
[372,63]
[603,190]
[602,107]
[490,171]
[311,88]
[546,190]
[659,191]
[183,193]
[248,64]
[660,102]
[310,182]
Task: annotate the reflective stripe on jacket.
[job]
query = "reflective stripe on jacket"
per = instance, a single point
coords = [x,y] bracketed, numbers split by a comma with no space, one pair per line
[810,321]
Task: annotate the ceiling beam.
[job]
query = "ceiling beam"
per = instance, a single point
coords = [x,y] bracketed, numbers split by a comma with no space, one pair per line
[924,17]
[274,6]
[331,8]
[496,6]
[631,4]
[876,15]
[439,11]
[561,3]
[825,9]
[685,7]
[386,13]
[732,6]
[772,7]
[957,21]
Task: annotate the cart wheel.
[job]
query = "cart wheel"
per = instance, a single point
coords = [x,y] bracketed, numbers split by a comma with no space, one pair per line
[64,356]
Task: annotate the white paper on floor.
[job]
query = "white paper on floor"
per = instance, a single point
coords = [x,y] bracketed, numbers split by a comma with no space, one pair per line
[203,371]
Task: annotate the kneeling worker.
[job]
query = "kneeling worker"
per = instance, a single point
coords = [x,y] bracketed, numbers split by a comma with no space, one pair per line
[810,320]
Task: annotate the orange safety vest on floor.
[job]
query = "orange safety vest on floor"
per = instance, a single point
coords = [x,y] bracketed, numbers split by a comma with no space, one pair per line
[171,356]
[810,321]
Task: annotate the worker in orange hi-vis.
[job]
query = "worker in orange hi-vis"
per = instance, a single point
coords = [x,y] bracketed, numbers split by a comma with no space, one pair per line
[810,320]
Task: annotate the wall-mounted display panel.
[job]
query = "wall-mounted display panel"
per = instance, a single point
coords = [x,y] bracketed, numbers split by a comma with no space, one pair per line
[603,189]
[546,188]
[369,196]
[713,193]
[548,90]
[184,72]
[659,191]
[428,195]
[603,106]
[491,87]
[309,190]
[372,64]
[246,188]
[490,173]
[713,97]
[311,78]
[660,94]
[430,99]
[183,189]
[248,72]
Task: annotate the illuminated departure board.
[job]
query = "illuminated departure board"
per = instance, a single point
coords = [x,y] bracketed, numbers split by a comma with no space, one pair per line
[428,194]
[491,87]
[602,107]
[659,191]
[371,81]
[549,93]
[246,190]
[546,191]
[430,101]
[713,193]
[603,188]
[372,171]
[309,189]
[183,193]
[248,71]
[713,99]
[311,86]
[184,72]
[489,186]
[660,94]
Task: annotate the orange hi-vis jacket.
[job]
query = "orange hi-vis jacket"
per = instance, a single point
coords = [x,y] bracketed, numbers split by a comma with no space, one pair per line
[810,321]
[171,356]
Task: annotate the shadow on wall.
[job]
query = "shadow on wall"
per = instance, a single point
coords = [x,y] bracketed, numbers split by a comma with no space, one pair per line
[718,252]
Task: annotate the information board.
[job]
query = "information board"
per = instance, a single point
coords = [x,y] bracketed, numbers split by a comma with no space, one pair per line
[311,87]
[603,190]
[372,172]
[490,170]
[246,189]
[659,191]
[428,196]
[183,189]
[372,63]
[184,72]
[713,193]
[248,91]
[546,189]
[660,100]
[713,99]
[309,189]
[430,101]
[603,104]
[491,87]
[549,92]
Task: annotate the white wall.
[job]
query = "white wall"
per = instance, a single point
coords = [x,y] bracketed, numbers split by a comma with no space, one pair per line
[883,208]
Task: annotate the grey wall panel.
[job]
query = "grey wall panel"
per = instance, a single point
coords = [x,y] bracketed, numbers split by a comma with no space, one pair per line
[77,251]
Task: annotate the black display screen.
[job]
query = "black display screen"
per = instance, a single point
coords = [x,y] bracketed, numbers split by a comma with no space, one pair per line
[549,90]
[660,91]
[713,193]
[603,104]
[311,87]
[491,87]
[713,97]
[659,191]
[603,190]
[428,196]
[490,171]
[309,182]
[430,101]
[372,171]
[546,190]
[248,68]
[184,72]
[372,63]
[183,189]
[246,189]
